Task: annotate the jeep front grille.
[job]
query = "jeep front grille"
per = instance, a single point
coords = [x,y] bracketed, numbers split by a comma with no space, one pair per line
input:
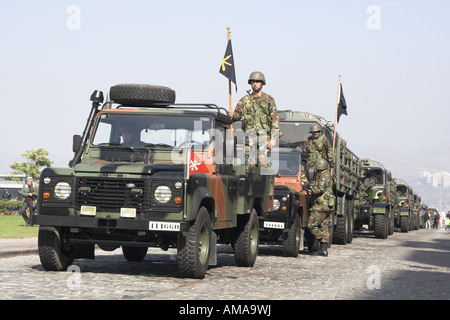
[110,194]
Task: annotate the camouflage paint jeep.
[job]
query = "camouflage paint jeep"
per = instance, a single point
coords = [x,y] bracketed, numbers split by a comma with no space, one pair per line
[149,172]
[290,212]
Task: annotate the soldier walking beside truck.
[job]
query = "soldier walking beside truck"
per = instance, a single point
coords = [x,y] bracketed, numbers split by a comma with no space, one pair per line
[322,201]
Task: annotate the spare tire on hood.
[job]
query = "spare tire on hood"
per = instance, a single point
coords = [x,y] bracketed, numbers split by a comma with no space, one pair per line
[141,94]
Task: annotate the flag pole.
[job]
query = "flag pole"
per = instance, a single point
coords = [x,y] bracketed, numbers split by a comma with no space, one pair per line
[229,81]
[337,107]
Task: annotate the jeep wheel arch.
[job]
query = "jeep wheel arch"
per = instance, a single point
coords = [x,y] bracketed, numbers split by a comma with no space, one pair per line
[201,197]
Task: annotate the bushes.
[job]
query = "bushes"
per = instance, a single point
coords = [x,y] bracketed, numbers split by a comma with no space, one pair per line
[9,207]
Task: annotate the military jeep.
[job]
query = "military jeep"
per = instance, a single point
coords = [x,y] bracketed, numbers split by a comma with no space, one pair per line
[290,212]
[151,172]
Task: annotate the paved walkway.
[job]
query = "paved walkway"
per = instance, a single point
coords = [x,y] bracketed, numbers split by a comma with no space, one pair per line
[17,247]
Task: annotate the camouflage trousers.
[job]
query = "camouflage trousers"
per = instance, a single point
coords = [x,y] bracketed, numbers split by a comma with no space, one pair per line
[319,225]
[257,150]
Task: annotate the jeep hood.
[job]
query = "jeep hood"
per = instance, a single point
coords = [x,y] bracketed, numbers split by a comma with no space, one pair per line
[122,168]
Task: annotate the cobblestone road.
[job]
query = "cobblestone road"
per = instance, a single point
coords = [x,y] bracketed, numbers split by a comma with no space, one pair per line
[414,265]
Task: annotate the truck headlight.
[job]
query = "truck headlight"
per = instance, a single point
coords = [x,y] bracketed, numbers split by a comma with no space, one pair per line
[62,190]
[163,194]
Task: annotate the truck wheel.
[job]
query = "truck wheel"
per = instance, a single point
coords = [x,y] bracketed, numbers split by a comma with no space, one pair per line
[391,223]
[381,226]
[404,224]
[54,252]
[341,231]
[134,253]
[141,94]
[247,241]
[291,239]
[193,250]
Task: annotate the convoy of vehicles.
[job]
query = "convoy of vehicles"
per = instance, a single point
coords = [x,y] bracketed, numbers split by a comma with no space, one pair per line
[151,172]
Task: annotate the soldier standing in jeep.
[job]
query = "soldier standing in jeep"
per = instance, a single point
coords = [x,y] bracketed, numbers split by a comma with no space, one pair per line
[260,122]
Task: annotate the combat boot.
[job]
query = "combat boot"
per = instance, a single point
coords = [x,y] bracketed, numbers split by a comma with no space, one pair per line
[323,249]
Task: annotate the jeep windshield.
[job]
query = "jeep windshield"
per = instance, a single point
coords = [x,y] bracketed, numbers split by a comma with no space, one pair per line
[117,134]
[287,163]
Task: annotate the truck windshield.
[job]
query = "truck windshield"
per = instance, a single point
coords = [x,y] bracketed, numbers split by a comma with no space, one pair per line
[402,190]
[294,132]
[142,131]
[376,174]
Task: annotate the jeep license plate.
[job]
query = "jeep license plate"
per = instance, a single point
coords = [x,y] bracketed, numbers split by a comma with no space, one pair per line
[164,226]
[273,225]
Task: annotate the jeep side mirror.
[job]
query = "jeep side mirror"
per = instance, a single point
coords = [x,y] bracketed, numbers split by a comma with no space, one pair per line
[76,143]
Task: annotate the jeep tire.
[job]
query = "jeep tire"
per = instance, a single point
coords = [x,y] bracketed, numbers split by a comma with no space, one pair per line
[193,249]
[292,238]
[246,240]
[55,254]
[141,94]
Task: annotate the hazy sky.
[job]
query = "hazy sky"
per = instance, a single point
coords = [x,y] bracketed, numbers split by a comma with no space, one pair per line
[393,57]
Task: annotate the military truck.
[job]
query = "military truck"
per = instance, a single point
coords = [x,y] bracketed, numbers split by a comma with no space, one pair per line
[176,185]
[404,209]
[287,221]
[415,221]
[378,199]
[295,127]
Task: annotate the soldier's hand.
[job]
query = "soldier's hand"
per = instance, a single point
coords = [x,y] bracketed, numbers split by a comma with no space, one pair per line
[230,114]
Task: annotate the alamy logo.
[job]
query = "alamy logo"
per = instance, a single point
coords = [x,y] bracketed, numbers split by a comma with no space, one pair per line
[374,20]
[73,22]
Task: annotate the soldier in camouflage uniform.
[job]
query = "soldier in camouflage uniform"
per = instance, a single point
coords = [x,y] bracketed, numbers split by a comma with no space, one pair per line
[260,122]
[322,200]
[319,147]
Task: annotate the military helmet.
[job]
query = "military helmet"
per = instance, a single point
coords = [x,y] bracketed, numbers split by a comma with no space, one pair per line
[320,164]
[257,76]
[315,128]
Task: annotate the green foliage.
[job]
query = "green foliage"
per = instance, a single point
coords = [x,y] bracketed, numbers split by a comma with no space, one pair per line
[9,206]
[36,160]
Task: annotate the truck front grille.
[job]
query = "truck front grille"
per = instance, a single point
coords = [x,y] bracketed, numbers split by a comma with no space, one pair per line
[110,194]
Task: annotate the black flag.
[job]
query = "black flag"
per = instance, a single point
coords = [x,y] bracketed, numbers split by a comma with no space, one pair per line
[342,109]
[227,66]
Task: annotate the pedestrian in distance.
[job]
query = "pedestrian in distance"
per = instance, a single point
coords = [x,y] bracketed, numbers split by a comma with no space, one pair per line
[426,219]
[29,193]
[260,121]
[322,203]
[436,220]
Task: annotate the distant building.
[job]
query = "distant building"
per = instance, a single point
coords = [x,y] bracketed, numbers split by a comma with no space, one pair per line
[9,182]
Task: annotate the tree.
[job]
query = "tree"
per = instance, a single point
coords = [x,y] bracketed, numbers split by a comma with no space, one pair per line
[36,160]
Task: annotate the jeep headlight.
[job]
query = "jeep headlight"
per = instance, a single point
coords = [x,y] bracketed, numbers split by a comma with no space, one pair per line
[276,204]
[62,190]
[163,194]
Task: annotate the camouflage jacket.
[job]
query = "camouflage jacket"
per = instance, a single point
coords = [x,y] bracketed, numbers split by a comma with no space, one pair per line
[258,114]
[321,190]
[319,148]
